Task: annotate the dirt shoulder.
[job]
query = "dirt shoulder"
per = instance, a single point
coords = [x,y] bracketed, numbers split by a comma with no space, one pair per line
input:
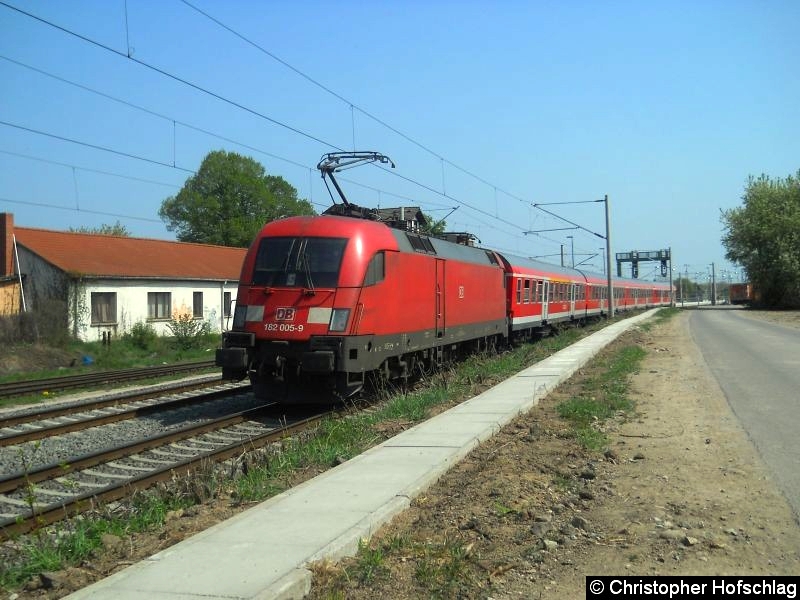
[681,491]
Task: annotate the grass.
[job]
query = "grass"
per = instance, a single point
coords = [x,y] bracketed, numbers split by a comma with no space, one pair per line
[121,354]
[605,394]
[602,397]
[440,566]
[662,315]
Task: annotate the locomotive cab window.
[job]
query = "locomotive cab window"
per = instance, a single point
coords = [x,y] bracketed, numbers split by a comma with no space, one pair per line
[299,262]
[375,270]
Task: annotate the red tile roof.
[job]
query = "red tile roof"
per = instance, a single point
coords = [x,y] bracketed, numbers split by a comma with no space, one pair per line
[114,256]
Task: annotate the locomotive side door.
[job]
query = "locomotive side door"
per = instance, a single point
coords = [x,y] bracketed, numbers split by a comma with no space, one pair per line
[440,316]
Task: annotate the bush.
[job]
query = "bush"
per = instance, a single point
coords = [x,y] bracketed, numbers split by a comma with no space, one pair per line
[187,331]
[141,335]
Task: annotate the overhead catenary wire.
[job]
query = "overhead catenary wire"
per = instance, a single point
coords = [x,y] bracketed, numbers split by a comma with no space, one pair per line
[72,209]
[169,75]
[88,169]
[351,104]
[174,120]
[261,115]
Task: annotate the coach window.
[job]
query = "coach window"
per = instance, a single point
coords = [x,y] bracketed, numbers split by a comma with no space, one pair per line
[159,305]
[104,308]
[375,270]
[519,291]
[526,298]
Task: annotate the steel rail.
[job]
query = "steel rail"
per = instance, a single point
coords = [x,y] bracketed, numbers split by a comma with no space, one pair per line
[58,511]
[18,388]
[123,415]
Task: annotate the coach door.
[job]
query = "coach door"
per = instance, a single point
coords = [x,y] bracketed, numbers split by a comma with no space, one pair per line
[572,293]
[440,306]
[545,297]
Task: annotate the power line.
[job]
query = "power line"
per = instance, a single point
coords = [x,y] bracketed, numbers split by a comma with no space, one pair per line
[251,111]
[71,166]
[95,146]
[69,208]
[172,76]
[167,118]
[351,104]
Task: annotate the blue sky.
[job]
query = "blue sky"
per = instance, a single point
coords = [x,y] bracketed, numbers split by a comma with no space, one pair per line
[666,107]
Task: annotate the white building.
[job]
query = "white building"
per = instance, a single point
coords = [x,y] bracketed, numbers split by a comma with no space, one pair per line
[106,284]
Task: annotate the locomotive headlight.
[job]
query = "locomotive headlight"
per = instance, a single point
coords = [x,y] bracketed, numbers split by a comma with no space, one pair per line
[239,314]
[339,318]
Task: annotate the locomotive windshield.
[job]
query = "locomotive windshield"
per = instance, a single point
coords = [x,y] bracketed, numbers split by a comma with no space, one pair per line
[306,262]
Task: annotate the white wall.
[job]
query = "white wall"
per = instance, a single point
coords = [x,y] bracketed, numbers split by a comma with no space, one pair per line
[132,304]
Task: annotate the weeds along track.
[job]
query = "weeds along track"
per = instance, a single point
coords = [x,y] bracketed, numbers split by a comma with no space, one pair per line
[36,496]
[20,388]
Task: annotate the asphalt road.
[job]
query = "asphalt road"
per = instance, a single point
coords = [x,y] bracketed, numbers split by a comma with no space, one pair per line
[757,365]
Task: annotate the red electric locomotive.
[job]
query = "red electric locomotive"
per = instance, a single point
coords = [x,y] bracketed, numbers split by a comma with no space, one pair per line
[325,300]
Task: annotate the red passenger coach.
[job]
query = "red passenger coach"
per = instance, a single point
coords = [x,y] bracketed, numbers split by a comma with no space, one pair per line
[539,295]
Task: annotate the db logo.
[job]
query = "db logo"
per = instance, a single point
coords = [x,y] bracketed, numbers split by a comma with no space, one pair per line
[284,314]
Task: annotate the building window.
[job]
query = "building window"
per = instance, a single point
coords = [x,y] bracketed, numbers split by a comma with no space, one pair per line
[226,301]
[159,305]
[104,308]
[197,305]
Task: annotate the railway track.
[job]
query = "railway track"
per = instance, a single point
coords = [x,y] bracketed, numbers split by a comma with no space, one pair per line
[40,496]
[58,420]
[20,388]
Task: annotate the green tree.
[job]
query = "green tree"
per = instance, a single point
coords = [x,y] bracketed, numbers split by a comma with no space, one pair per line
[763,236]
[105,229]
[433,226]
[228,200]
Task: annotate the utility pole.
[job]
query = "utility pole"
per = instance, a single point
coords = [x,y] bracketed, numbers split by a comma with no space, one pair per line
[713,286]
[572,249]
[686,279]
[671,297]
[608,260]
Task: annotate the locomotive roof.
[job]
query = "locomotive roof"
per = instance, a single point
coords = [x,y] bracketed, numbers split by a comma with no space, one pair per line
[410,242]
